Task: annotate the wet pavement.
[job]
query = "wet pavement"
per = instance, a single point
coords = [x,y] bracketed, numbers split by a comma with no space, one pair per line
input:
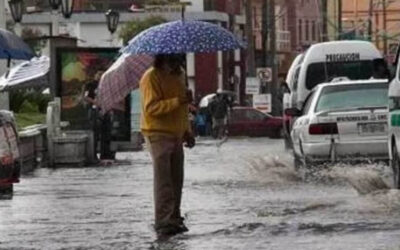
[243,194]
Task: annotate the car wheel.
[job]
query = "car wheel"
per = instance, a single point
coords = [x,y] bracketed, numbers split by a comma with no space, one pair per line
[6,191]
[395,163]
[298,163]
[303,157]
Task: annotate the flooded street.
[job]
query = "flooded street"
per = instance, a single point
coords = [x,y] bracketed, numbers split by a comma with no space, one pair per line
[243,194]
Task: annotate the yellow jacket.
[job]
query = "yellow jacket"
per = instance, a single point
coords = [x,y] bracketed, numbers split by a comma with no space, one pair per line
[162,113]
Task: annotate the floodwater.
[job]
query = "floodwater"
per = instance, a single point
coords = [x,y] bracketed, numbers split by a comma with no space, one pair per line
[242,194]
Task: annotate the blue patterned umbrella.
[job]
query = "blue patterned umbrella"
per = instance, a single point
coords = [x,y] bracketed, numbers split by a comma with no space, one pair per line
[13,47]
[183,37]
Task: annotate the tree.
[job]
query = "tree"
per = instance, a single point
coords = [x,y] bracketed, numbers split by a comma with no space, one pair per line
[133,28]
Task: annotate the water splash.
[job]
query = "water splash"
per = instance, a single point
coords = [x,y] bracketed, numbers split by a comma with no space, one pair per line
[364,179]
[272,169]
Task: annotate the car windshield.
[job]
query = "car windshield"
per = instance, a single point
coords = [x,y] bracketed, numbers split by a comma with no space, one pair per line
[324,72]
[341,97]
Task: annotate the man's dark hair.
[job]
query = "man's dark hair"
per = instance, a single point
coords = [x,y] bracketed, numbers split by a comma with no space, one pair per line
[162,59]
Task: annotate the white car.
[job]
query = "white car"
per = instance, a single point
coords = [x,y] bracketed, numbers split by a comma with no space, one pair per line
[394,125]
[344,120]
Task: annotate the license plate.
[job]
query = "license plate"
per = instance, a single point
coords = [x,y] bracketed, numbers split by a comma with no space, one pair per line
[372,128]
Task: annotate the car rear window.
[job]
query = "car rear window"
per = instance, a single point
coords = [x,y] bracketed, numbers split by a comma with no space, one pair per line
[324,72]
[353,96]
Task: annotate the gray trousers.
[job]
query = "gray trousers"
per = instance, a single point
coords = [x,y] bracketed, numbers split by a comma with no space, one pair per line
[168,158]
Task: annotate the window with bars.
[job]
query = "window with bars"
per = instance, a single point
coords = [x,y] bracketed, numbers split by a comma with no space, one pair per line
[300,30]
[313,31]
[307,28]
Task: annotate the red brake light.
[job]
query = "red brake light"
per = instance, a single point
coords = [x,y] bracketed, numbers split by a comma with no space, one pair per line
[323,129]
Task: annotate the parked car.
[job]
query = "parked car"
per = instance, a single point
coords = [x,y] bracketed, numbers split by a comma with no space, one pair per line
[9,153]
[322,62]
[342,121]
[248,121]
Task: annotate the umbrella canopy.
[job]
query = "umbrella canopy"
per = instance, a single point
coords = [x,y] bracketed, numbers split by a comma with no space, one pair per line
[13,47]
[121,78]
[180,37]
[33,73]
[206,100]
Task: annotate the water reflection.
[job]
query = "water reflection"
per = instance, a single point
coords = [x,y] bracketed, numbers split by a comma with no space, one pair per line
[242,194]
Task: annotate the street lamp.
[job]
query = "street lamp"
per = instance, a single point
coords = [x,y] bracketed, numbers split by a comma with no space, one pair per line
[54,4]
[112,17]
[67,7]
[16,8]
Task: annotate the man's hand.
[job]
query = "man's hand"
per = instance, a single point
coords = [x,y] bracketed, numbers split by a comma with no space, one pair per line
[187,98]
[189,140]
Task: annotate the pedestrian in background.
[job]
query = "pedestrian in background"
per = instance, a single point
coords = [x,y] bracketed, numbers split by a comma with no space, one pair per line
[165,126]
[219,112]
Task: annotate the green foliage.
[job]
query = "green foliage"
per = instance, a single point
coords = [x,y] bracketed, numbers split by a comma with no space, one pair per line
[133,28]
[32,38]
[29,107]
[27,119]
[18,99]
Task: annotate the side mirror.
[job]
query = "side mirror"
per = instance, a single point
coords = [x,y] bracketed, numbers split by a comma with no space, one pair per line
[293,112]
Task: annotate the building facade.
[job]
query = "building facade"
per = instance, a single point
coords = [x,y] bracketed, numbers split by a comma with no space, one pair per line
[385,17]
[207,72]
[298,25]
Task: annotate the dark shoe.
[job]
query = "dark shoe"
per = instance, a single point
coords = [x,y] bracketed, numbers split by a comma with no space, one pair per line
[183,228]
[168,230]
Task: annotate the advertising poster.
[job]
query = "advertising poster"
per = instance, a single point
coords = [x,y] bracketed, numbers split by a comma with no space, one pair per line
[79,71]
[262,102]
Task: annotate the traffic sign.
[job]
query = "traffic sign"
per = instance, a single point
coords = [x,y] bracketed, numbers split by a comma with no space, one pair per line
[264,74]
[252,85]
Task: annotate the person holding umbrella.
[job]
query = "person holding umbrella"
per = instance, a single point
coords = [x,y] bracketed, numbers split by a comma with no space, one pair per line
[166,127]
[164,120]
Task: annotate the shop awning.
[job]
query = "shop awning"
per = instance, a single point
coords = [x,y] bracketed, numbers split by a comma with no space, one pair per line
[29,74]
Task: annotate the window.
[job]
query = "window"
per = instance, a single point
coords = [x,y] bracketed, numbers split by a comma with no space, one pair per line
[237,115]
[300,30]
[353,96]
[283,23]
[394,103]
[306,23]
[254,115]
[296,78]
[313,31]
[208,5]
[324,72]
[308,102]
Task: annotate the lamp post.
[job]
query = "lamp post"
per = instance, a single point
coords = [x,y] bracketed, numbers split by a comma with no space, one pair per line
[67,8]
[112,18]
[16,8]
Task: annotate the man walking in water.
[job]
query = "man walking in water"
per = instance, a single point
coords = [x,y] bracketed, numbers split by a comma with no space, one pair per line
[165,126]
[219,112]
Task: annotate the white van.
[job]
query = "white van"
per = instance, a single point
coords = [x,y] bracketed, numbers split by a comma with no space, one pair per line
[322,62]
[289,99]
[394,123]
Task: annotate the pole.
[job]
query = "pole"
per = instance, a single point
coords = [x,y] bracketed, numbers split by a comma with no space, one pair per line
[264,39]
[324,9]
[385,44]
[340,29]
[370,12]
[264,34]
[251,67]
[272,40]
[4,96]
[54,23]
